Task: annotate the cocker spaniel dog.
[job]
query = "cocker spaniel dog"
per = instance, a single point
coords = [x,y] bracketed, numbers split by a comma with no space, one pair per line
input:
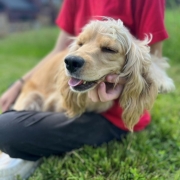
[103,47]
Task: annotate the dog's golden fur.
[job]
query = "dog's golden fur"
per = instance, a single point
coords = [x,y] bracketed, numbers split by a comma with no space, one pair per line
[107,47]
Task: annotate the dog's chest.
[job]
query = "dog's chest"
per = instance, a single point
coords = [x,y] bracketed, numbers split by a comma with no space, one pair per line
[98,106]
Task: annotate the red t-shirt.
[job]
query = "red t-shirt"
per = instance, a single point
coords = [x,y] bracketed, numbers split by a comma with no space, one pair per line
[139,16]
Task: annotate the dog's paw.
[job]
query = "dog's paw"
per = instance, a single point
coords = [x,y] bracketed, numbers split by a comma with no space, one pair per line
[34,102]
[166,85]
[33,106]
[30,102]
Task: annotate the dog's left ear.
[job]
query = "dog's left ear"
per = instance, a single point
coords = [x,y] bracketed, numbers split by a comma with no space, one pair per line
[140,90]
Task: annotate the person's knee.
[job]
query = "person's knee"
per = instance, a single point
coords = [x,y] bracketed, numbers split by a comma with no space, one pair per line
[6,127]
[8,133]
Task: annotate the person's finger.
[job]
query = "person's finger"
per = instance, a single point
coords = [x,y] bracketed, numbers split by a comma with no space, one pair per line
[115,89]
[110,94]
[93,95]
[112,78]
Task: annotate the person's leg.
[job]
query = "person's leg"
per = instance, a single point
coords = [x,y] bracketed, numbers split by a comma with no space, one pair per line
[32,135]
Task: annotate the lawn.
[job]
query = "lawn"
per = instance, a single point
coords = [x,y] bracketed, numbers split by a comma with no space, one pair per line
[153,154]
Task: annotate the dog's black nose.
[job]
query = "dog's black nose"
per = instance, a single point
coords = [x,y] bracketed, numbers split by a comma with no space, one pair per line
[73,63]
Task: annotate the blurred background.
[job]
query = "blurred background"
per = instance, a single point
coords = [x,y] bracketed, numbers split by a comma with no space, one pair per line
[22,15]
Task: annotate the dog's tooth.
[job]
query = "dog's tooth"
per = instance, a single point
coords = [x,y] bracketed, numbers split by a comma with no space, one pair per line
[84,82]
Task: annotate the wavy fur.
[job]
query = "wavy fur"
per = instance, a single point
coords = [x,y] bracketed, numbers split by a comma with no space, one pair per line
[106,47]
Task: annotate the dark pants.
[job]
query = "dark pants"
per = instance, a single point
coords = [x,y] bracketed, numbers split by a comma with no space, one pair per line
[31,135]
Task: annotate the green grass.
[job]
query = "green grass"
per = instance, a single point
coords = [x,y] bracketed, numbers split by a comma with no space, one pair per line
[20,52]
[153,154]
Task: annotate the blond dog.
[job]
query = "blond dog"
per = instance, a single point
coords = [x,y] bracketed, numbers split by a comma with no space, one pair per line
[103,47]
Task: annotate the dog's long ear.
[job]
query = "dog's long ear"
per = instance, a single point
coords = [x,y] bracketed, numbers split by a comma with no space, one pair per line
[140,90]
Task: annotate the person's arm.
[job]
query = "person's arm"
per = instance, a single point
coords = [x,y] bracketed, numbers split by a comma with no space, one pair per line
[103,93]
[9,96]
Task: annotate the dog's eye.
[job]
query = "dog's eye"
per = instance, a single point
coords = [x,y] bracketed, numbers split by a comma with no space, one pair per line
[80,44]
[108,50]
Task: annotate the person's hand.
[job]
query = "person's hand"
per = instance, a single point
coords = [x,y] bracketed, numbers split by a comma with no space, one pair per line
[106,91]
[9,96]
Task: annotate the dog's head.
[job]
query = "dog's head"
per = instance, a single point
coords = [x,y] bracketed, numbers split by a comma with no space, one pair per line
[96,52]
[107,47]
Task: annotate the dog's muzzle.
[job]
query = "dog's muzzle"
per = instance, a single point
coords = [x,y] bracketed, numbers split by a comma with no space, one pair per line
[73,63]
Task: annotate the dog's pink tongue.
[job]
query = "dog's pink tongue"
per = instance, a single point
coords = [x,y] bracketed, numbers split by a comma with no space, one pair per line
[75,82]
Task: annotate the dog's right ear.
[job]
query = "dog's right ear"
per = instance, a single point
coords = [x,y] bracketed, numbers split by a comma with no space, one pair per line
[140,89]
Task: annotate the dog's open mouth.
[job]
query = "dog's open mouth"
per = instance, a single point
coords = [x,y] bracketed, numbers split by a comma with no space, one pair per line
[81,85]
